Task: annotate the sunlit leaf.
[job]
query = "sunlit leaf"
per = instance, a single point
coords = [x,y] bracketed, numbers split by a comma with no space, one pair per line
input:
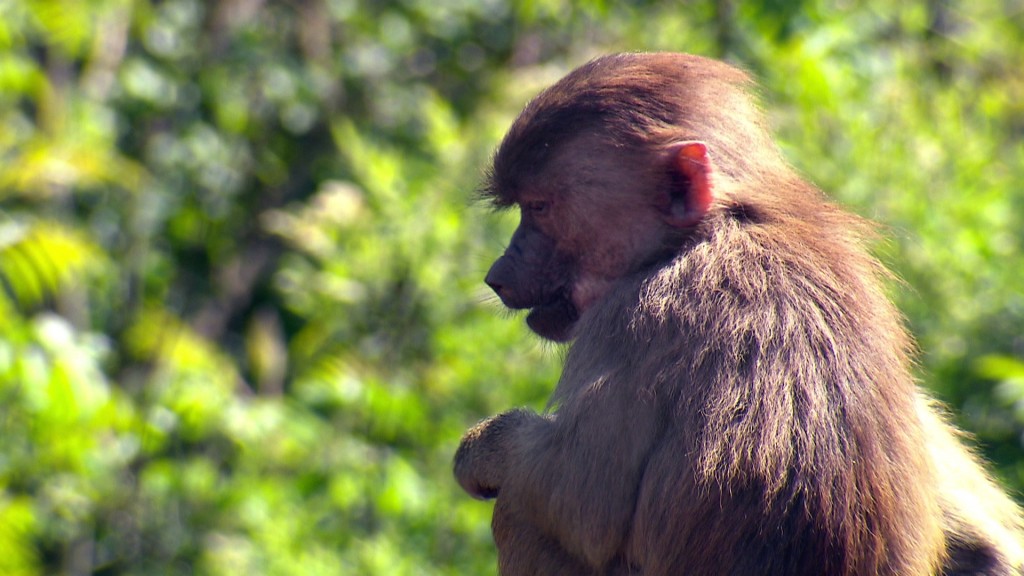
[40,259]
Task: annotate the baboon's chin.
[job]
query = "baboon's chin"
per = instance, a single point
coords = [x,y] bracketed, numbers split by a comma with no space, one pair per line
[553,321]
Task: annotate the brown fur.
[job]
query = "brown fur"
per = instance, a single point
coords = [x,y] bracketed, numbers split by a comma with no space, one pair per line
[737,399]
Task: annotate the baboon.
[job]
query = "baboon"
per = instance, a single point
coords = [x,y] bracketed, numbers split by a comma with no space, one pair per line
[737,396]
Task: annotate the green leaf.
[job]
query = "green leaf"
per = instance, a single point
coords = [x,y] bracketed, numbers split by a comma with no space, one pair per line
[40,259]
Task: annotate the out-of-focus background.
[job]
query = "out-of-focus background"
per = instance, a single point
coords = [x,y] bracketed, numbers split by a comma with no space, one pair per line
[242,322]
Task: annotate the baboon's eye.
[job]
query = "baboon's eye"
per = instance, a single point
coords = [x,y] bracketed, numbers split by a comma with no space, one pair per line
[538,208]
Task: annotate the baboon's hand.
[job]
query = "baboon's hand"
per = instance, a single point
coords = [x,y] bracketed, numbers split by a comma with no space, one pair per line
[483,456]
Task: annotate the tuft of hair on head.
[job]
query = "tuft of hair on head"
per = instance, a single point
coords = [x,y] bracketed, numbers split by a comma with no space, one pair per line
[644,101]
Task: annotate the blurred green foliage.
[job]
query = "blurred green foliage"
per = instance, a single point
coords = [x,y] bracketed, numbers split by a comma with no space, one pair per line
[242,325]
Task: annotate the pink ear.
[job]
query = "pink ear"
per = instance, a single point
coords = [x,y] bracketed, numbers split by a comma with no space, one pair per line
[689,206]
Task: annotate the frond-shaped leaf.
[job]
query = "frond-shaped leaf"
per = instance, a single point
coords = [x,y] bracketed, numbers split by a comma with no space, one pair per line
[39,259]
